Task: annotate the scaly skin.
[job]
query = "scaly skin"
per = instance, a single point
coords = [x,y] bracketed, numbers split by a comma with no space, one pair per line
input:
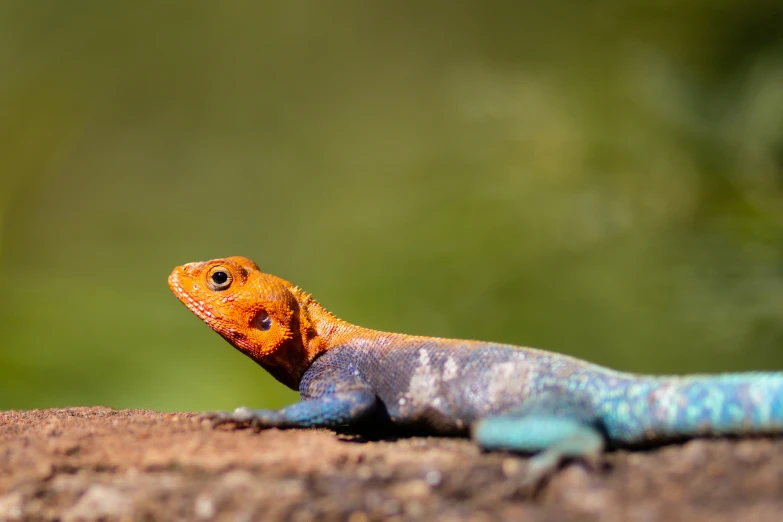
[508,397]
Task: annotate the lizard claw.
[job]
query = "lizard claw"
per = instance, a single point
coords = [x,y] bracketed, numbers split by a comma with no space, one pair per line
[244,417]
[240,417]
[542,466]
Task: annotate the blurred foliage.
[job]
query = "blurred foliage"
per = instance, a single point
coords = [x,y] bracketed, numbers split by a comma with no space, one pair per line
[603,179]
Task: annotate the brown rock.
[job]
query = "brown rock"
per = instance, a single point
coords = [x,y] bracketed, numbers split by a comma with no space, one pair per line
[96,463]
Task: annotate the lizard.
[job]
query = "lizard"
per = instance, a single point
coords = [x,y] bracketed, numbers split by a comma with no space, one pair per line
[553,406]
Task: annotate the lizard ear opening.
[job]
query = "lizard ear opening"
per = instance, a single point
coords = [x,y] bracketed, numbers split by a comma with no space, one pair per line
[262,321]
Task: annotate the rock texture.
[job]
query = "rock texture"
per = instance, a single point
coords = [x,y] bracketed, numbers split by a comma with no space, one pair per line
[100,464]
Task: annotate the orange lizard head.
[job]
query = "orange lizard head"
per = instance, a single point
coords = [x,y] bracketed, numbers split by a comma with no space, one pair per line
[256,312]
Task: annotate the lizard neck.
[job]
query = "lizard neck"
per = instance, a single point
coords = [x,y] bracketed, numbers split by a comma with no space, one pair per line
[325,331]
[312,331]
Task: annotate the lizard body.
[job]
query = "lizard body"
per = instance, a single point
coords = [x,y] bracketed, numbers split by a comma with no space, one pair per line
[507,397]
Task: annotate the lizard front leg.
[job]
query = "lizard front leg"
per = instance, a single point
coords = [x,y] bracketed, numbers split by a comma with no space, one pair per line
[324,412]
[331,397]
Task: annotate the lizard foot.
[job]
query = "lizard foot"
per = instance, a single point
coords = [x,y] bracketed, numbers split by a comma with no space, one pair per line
[530,476]
[542,466]
[240,417]
[244,417]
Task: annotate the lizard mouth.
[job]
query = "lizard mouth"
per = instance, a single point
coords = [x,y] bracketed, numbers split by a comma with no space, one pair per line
[195,306]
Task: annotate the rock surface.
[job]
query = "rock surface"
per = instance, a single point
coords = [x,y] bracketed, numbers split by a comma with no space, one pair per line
[96,463]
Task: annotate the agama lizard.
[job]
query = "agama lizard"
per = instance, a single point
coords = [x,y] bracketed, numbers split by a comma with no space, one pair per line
[507,397]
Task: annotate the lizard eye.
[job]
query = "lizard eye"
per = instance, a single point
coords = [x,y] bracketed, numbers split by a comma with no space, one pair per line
[219,278]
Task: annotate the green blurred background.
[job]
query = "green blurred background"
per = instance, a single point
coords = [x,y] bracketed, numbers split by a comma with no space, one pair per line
[599,178]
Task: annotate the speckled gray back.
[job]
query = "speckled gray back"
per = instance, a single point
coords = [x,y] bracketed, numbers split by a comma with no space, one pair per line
[448,387]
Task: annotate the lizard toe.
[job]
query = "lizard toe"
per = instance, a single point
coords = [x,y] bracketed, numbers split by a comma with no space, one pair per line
[240,417]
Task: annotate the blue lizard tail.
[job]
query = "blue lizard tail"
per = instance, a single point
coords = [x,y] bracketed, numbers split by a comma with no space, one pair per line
[644,409]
